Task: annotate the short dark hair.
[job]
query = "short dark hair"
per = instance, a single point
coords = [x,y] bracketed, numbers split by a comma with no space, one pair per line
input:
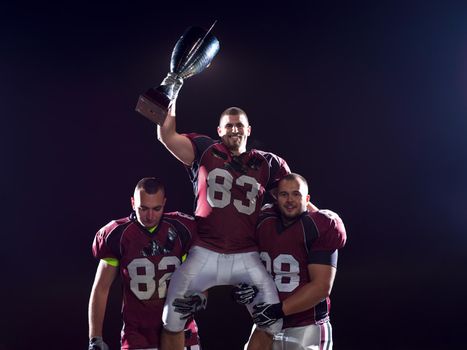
[150,185]
[295,176]
[233,111]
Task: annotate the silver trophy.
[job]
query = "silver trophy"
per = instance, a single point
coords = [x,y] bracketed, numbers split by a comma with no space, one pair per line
[192,53]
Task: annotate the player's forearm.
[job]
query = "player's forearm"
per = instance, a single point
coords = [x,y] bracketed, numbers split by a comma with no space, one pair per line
[306,297]
[177,144]
[167,131]
[96,312]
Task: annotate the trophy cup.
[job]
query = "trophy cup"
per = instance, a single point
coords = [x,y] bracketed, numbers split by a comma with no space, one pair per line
[192,53]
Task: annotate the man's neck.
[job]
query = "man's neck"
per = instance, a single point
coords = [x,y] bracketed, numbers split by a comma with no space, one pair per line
[289,221]
[238,151]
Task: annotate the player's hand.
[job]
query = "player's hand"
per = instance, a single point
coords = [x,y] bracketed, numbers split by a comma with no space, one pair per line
[311,207]
[244,293]
[265,315]
[191,303]
[97,343]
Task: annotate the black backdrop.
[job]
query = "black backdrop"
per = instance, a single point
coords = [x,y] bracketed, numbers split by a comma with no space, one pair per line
[366,99]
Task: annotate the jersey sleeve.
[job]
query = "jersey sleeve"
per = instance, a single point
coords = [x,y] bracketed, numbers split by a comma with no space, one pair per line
[332,237]
[279,168]
[191,229]
[200,143]
[186,228]
[100,249]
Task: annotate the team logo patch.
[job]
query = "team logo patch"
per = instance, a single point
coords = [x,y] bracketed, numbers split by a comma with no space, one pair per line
[236,164]
[154,248]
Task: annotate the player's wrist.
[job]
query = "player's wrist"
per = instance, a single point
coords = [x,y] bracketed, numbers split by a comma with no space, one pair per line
[278,310]
[266,314]
[97,343]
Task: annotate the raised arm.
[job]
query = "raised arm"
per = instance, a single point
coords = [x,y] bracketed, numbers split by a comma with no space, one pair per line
[179,145]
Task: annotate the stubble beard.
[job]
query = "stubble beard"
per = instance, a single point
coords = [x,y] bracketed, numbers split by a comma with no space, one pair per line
[234,146]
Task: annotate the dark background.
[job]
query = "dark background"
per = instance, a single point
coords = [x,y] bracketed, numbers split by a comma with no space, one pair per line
[366,99]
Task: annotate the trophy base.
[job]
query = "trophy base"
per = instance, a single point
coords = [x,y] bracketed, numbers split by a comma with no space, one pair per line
[153,105]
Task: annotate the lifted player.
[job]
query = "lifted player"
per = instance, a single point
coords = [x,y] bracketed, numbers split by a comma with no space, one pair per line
[144,248]
[299,248]
[229,184]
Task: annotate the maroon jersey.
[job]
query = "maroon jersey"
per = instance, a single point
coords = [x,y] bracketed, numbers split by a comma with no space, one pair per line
[287,251]
[147,261]
[229,191]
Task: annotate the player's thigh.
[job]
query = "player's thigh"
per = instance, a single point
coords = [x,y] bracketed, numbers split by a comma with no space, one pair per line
[307,337]
[190,276]
[252,271]
[202,269]
[197,273]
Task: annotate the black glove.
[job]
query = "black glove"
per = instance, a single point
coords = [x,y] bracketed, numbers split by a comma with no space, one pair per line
[265,315]
[97,343]
[191,303]
[244,293]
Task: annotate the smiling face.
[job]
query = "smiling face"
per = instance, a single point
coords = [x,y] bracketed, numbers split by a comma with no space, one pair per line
[292,198]
[234,130]
[148,207]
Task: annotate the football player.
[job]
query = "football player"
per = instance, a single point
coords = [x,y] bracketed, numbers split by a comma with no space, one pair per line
[144,249]
[299,248]
[229,184]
